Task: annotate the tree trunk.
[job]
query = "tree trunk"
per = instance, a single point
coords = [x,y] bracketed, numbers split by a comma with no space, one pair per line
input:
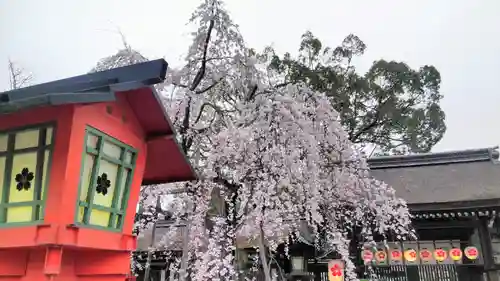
[185,250]
[147,272]
[263,257]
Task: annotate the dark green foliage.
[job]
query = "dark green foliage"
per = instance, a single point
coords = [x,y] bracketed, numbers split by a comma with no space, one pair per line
[391,106]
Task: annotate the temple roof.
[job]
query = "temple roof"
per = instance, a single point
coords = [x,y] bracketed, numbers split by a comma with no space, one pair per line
[445,177]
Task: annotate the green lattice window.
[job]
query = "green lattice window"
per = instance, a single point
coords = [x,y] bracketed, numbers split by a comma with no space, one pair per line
[25,155]
[106,175]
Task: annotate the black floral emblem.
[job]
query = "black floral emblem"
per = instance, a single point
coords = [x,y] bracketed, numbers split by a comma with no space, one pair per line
[24,179]
[103,184]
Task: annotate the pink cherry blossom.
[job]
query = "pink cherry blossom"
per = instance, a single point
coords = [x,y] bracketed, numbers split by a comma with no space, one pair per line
[272,159]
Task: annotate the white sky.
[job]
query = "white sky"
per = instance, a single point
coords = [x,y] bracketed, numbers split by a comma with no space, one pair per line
[61,38]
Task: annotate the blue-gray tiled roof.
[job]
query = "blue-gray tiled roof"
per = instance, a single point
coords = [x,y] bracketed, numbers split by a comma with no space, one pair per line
[454,176]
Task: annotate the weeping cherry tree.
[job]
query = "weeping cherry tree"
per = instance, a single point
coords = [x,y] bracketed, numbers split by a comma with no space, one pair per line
[272,153]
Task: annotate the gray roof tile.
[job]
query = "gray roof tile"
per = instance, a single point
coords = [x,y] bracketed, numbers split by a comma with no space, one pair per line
[465,176]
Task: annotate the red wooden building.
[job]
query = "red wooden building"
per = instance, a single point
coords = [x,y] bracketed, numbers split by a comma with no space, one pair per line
[73,155]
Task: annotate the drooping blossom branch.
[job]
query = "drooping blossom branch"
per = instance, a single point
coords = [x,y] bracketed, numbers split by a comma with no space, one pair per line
[272,158]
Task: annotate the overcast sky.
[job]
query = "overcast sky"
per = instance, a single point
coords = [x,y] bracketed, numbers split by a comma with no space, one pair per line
[61,38]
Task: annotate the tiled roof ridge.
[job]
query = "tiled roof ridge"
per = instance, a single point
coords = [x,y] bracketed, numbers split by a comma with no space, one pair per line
[435,158]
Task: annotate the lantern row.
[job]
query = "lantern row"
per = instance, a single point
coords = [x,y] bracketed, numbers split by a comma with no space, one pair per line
[411,255]
[452,214]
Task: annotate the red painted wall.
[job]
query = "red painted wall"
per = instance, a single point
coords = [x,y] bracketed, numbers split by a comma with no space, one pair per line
[99,265]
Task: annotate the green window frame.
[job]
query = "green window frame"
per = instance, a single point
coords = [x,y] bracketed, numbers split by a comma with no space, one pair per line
[25,161]
[106,175]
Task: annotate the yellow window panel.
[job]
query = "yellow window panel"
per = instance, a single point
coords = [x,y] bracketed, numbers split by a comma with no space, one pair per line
[100,218]
[117,221]
[81,211]
[23,175]
[45,173]
[3,142]
[2,171]
[19,214]
[112,150]
[48,136]
[92,141]
[26,184]
[40,212]
[123,185]
[111,171]
[88,165]
[128,157]
[27,139]
[106,188]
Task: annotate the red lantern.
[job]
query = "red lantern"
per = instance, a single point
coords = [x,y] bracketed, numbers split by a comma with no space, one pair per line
[425,255]
[336,270]
[411,255]
[367,256]
[381,256]
[396,255]
[456,254]
[440,255]
[471,253]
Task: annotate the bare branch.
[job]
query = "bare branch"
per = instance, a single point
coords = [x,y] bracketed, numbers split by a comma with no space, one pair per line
[208,88]
[201,73]
[252,93]
[18,77]
[180,85]
[186,143]
[216,108]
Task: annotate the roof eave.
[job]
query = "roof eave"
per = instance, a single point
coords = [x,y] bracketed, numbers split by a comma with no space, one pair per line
[87,88]
[439,158]
[97,87]
[455,205]
[184,176]
[172,135]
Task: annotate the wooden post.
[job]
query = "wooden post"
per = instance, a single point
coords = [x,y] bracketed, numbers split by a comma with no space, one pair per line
[147,272]
[487,250]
